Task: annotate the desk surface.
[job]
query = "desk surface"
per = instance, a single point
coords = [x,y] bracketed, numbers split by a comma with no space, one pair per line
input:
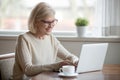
[109,72]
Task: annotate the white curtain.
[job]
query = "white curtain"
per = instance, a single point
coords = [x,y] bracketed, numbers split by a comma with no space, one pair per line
[108,17]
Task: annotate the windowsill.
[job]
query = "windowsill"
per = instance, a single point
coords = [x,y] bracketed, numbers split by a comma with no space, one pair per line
[110,39]
[63,36]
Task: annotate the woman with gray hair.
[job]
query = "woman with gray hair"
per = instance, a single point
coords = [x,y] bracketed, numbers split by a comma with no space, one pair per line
[37,49]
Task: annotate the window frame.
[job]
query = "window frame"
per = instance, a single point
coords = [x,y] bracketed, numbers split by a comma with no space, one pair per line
[57,33]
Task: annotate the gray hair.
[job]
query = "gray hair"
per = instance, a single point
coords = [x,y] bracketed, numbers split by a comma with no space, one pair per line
[41,10]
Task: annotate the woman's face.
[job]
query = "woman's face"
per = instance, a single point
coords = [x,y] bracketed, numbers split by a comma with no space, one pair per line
[45,26]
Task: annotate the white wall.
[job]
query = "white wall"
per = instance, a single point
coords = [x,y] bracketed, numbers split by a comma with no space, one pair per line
[7,45]
[113,53]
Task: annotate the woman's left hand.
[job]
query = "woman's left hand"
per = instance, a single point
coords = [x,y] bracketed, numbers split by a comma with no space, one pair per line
[76,64]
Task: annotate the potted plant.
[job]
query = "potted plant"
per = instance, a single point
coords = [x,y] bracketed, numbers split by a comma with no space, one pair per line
[81,24]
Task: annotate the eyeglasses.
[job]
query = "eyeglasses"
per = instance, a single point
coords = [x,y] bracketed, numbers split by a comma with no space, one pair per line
[50,23]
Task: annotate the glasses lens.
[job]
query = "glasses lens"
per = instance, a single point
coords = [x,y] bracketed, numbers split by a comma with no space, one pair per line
[52,23]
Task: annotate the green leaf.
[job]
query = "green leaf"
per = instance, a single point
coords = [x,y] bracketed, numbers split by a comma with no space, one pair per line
[81,22]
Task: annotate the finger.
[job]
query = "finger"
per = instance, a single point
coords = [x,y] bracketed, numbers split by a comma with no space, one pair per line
[66,62]
[69,62]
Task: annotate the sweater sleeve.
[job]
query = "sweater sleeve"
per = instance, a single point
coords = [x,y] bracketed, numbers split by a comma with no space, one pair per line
[64,53]
[24,59]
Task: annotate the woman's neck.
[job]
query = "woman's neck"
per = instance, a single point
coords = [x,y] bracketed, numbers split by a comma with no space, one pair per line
[39,36]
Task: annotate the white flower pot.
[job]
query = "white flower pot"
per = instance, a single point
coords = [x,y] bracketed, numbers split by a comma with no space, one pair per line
[81,31]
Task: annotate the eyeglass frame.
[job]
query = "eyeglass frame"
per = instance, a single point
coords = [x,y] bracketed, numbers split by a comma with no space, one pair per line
[50,23]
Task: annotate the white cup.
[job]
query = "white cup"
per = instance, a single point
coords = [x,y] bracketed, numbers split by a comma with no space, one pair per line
[67,69]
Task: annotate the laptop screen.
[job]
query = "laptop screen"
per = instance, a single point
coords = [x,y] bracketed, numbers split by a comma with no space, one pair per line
[92,57]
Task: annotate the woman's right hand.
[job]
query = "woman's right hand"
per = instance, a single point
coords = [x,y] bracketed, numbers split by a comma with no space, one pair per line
[66,62]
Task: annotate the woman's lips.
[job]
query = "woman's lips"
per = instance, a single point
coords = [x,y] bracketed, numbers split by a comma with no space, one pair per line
[48,30]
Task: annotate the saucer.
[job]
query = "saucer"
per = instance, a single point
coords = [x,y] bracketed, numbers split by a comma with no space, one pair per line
[67,75]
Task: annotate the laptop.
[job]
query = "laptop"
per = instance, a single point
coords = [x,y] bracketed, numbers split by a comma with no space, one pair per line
[92,57]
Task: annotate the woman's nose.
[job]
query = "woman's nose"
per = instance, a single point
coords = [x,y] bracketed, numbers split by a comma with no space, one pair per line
[51,25]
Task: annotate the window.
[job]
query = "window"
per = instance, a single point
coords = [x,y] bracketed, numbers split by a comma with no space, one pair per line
[14,13]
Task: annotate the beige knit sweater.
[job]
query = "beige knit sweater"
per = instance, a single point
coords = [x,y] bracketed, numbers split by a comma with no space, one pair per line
[34,55]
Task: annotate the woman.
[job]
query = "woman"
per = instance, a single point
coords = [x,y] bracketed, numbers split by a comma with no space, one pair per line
[36,50]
